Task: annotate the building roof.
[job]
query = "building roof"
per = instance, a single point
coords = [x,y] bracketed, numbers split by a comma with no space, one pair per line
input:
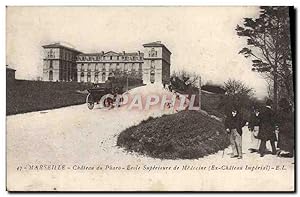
[156,44]
[59,45]
[109,53]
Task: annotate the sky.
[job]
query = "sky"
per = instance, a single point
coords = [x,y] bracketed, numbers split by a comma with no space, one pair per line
[202,39]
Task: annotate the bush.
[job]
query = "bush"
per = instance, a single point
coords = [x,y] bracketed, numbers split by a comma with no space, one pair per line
[185,135]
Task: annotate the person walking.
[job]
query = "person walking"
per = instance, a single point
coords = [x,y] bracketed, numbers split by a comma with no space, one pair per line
[234,124]
[267,130]
[285,120]
[253,126]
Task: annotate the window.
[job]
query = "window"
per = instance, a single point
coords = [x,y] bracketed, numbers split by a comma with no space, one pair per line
[96,77]
[82,77]
[101,66]
[51,75]
[103,77]
[110,57]
[51,64]
[88,77]
[152,76]
[118,57]
[51,53]
[153,53]
[152,66]
[110,67]
[140,70]
[133,73]
[117,72]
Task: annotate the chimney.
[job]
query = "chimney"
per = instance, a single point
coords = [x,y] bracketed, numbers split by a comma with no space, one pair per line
[139,53]
[123,52]
[102,52]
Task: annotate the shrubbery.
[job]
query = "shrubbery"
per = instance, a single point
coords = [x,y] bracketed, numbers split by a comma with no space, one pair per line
[185,135]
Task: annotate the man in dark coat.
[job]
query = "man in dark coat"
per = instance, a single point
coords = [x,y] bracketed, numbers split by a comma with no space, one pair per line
[267,130]
[285,120]
[233,125]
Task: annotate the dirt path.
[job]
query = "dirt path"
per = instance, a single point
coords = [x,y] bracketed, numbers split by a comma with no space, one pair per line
[78,136]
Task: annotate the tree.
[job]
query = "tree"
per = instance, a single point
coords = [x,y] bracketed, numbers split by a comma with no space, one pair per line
[183,80]
[237,88]
[269,47]
[237,95]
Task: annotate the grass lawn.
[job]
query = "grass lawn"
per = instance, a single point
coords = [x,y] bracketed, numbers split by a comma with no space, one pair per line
[27,96]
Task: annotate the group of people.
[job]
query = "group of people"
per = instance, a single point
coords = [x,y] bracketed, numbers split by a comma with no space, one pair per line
[265,125]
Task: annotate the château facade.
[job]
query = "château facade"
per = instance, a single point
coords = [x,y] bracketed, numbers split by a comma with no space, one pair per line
[63,63]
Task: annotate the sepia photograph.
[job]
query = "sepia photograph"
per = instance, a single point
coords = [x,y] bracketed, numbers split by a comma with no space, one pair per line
[150,98]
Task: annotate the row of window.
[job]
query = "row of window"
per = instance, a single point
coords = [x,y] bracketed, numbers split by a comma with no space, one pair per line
[152,53]
[110,66]
[96,77]
[133,72]
[67,55]
[98,58]
[51,54]
[110,70]
[117,65]
[60,77]
[70,56]
[103,76]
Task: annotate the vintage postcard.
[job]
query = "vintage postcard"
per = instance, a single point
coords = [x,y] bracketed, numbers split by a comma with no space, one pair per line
[150,98]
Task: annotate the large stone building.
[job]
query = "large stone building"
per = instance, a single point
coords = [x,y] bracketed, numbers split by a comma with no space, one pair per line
[59,63]
[63,63]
